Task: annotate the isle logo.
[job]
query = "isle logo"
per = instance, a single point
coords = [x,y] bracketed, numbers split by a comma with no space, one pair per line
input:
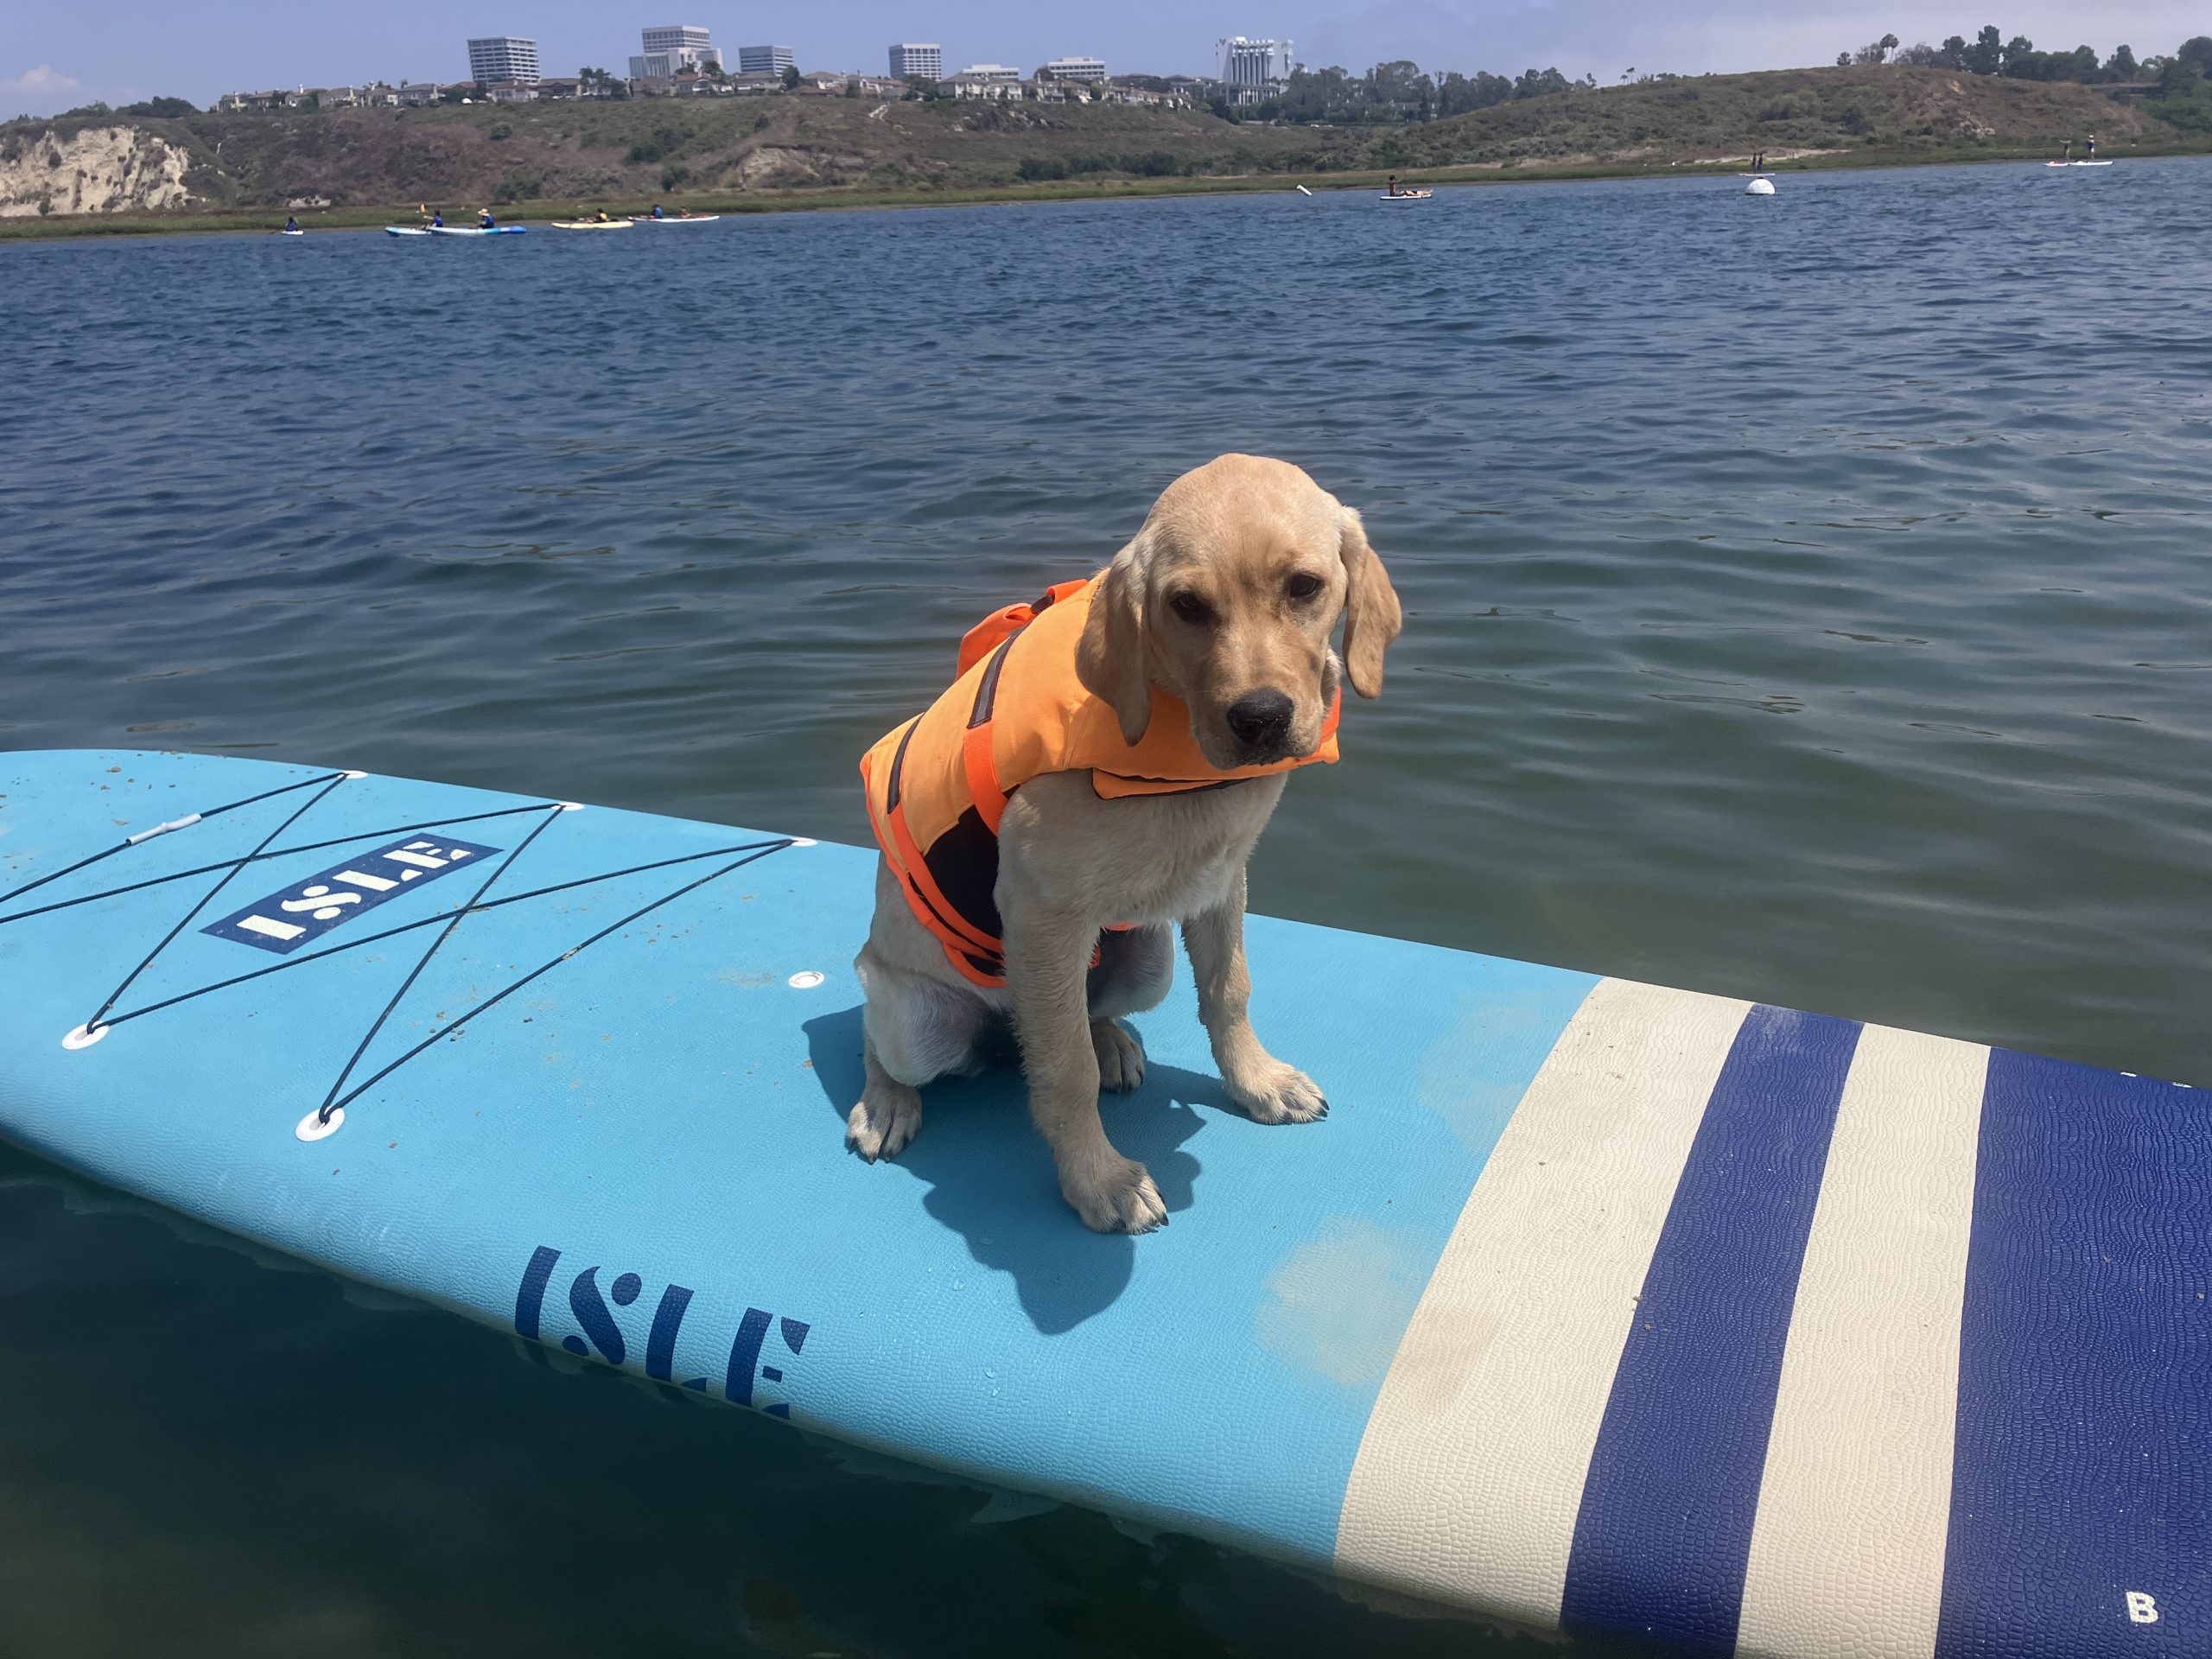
[753,1359]
[307,910]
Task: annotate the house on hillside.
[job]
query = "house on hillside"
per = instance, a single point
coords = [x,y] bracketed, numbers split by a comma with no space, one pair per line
[414,94]
[512,91]
[236,101]
[560,86]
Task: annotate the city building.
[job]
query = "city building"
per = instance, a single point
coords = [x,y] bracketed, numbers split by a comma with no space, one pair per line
[674,49]
[764,60]
[913,61]
[503,58]
[986,80]
[1251,65]
[1085,69]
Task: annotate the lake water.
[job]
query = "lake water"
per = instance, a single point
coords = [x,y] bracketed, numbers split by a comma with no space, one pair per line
[1806,600]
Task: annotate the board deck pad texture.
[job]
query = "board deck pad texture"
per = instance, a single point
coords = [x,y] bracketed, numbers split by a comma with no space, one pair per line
[1592,1305]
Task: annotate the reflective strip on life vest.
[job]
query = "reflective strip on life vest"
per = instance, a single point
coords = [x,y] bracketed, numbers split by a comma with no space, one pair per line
[976,745]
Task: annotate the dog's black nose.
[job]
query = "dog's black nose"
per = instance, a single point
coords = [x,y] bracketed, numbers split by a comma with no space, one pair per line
[1260,720]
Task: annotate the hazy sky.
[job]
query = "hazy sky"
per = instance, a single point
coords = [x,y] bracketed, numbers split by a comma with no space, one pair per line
[53,54]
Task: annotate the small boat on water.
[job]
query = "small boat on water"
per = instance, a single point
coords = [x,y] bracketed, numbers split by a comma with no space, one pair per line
[289,232]
[1403,195]
[406,230]
[591,224]
[478,230]
[674,219]
[2077,163]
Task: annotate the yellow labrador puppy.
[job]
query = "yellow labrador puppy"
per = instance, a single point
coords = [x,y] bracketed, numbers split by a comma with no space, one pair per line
[1100,772]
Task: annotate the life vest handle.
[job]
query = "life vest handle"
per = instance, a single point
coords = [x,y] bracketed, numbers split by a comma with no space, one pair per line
[1001,624]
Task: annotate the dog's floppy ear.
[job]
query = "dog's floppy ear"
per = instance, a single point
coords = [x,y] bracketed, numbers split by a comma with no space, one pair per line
[1110,659]
[1372,616]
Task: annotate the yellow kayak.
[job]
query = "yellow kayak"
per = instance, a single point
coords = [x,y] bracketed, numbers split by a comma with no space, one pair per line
[591,224]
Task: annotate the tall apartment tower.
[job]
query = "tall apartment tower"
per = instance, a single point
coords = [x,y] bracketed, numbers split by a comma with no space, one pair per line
[671,49]
[503,58]
[764,60]
[1240,62]
[924,62]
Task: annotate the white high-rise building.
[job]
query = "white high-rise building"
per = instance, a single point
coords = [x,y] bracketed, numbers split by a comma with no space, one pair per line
[764,60]
[1240,62]
[673,49]
[910,60]
[499,58]
[1090,69]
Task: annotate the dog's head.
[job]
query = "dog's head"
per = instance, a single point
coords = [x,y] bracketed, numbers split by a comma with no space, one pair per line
[1228,597]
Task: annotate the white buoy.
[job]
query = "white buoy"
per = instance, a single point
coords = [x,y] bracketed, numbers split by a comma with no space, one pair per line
[1759,187]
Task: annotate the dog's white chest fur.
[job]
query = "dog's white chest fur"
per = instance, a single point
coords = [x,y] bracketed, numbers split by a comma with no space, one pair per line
[1149,858]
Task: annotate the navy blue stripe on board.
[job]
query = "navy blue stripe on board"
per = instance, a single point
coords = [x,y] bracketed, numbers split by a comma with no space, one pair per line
[2081,1473]
[1664,1530]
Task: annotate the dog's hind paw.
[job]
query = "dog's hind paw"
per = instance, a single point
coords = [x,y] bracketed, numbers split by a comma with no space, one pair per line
[1273,1092]
[884,1122]
[1121,1057]
[1123,1200]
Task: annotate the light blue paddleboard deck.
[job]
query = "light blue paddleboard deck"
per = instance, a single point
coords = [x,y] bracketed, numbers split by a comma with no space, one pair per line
[1591,1303]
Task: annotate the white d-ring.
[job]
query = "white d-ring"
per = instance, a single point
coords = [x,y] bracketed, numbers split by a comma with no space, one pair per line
[80,1038]
[806,979]
[315,1127]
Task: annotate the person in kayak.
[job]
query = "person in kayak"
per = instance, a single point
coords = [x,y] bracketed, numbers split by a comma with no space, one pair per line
[484,219]
[291,222]
[657,212]
[438,220]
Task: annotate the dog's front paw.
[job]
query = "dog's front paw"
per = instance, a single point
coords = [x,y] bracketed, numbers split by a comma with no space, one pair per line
[883,1122]
[1121,1057]
[1271,1092]
[1119,1198]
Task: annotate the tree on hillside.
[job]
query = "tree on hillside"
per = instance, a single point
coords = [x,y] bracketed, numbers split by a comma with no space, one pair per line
[791,81]
[2197,49]
[2121,66]
[1538,83]
[1986,55]
[1879,52]
[1457,94]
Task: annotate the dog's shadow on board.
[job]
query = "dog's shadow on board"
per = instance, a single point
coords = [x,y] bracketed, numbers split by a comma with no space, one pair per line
[989,1174]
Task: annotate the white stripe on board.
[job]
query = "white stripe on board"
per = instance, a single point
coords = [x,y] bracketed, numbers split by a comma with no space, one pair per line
[1469,1474]
[1854,1505]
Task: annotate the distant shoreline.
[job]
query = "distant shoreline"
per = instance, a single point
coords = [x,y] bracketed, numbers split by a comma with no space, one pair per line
[58,228]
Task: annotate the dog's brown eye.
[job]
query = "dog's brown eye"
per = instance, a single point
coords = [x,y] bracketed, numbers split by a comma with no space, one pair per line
[1304,585]
[1191,608]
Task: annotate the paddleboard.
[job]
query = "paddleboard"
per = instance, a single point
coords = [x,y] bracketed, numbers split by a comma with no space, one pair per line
[1591,1304]
[477,230]
[671,218]
[2077,163]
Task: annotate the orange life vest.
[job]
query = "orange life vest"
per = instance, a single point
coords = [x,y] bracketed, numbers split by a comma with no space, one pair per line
[937,786]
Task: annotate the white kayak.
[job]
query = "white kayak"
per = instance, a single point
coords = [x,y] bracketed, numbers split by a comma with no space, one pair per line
[291,232]
[1404,195]
[2077,163]
[591,224]
[476,230]
[672,219]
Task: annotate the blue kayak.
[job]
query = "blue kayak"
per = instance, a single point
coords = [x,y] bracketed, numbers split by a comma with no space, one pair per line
[1592,1305]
